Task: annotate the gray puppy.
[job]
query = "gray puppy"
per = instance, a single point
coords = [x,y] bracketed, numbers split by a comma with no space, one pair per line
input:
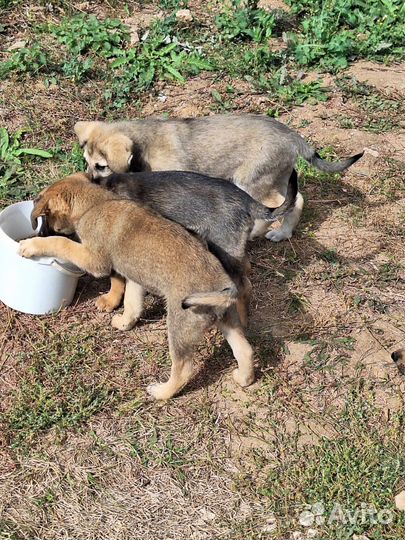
[257,153]
[218,212]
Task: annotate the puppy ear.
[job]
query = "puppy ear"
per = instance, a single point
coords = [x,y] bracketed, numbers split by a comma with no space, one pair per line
[118,151]
[40,209]
[83,131]
[59,203]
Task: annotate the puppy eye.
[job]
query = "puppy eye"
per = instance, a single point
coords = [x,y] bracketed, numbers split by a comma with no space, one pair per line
[100,167]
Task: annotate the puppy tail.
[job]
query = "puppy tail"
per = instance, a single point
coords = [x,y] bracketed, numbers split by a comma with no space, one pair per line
[272,214]
[216,299]
[327,166]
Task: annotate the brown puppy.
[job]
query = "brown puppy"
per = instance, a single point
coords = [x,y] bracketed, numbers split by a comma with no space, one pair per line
[153,254]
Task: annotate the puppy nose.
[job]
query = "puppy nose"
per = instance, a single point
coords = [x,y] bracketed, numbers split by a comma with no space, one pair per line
[396,355]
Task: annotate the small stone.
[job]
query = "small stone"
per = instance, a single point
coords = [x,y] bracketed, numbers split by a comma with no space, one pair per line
[306,518]
[245,509]
[145,35]
[318,509]
[271,5]
[207,515]
[269,528]
[312,533]
[360,537]
[184,15]
[17,45]
[271,525]
[400,501]
[372,152]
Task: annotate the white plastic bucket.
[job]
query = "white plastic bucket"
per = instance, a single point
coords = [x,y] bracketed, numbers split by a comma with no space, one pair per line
[39,285]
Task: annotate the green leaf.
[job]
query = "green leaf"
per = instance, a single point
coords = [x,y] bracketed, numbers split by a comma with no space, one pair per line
[33,152]
[4,142]
[118,62]
[216,95]
[166,50]
[176,74]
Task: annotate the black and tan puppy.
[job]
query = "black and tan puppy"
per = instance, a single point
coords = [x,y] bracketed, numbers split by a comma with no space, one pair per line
[153,254]
[223,215]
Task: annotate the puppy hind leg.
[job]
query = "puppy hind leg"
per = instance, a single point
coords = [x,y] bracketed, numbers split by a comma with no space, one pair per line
[180,374]
[133,304]
[244,375]
[111,300]
[290,221]
[185,330]
[242,304]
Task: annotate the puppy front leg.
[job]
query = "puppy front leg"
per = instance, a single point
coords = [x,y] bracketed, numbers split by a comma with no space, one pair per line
[67,250]
[111,300]
[133,305]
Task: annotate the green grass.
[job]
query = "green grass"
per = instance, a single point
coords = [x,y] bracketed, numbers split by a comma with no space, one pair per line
[333,33]
[13,158]
[337,478]
[311,176]
[330,256]
[297,303]
[25,171]
[57,390]
[70,162]
[83,47]
[377,113]
[389,183]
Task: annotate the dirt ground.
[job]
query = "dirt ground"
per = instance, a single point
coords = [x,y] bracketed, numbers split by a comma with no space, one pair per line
[85,453]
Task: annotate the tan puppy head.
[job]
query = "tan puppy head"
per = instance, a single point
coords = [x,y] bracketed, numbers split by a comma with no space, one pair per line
[55,203]
[105,151]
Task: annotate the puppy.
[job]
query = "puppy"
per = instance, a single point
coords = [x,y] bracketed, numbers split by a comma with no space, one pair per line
[256,153]
[219,212]
[153,254]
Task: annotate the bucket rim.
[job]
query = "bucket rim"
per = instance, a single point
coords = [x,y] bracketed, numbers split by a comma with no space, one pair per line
[63,266]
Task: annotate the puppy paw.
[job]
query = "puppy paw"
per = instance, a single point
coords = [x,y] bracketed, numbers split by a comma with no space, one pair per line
[122,323]
[276,235]
[159,391]
[30,247]
[243,379]
[107,303]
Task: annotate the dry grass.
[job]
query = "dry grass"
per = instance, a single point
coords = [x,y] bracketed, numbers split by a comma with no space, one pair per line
[84,453]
